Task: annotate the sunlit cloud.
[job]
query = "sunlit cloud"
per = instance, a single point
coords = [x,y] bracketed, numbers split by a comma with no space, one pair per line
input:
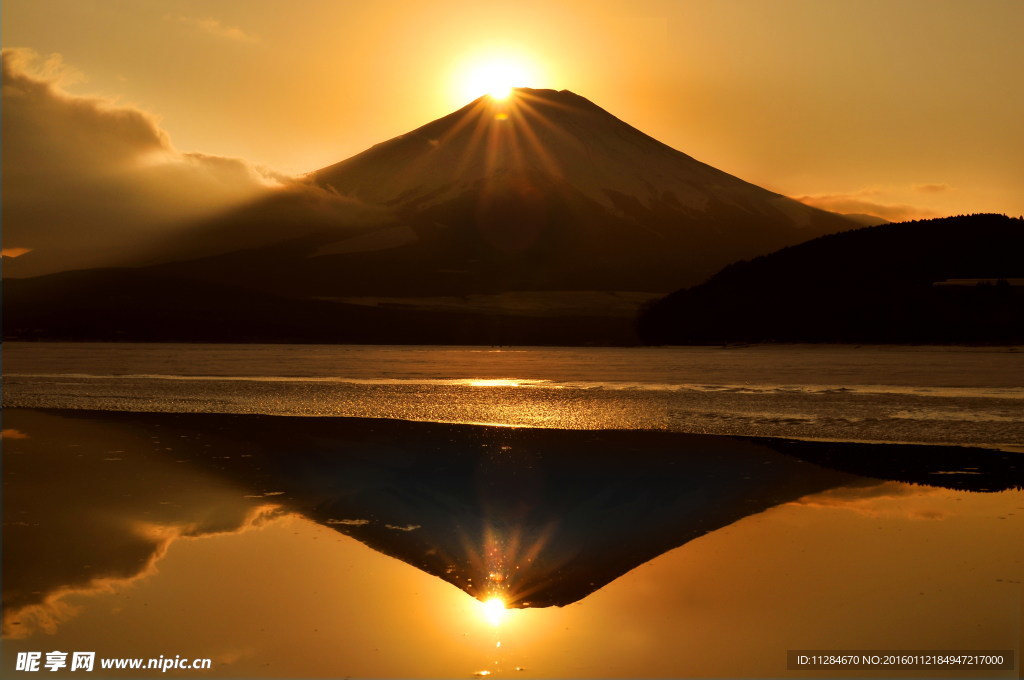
[932,188]
[213,27]
[89,182]
[867,201]
[11,433]
[14,252]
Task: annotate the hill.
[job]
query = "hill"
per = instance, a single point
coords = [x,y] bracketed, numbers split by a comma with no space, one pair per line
[139,305]
[933,281]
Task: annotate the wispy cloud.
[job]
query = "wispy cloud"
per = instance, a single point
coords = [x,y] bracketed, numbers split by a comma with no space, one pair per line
[872,201]
[932,188]
[216,28]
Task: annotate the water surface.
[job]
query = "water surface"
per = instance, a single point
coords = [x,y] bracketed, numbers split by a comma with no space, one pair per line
[903,394]
[678,513]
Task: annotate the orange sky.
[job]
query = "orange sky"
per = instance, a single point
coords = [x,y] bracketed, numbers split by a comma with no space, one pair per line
[900,108]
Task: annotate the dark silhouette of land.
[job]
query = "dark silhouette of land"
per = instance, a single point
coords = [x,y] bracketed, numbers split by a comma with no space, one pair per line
[142,305]
[543,517]
[949,280]
[934,281]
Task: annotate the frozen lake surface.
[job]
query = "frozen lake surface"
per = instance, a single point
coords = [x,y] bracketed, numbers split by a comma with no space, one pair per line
[186,499]
[949,395]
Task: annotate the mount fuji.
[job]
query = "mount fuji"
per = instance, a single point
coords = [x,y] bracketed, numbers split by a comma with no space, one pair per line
[543,191]
[540,205]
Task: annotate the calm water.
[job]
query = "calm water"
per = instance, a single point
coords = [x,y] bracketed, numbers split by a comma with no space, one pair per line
[210,502]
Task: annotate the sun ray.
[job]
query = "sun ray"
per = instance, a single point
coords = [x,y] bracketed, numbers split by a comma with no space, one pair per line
[529,134]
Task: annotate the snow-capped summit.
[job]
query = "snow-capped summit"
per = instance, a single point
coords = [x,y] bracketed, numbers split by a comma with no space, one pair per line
[546,190]
[542,191]
[558,135]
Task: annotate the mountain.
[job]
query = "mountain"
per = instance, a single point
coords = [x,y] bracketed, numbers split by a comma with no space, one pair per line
[544,191]
[955,279]
[143,305]
[520,211]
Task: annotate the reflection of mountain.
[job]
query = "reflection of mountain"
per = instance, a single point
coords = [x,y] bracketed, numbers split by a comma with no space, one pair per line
[546,194]
[544,517]
[943,280]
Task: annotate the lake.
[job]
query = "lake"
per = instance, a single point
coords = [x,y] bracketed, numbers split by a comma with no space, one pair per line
[331,511]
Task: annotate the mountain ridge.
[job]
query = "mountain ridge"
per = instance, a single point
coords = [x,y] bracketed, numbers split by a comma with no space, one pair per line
[938,280]
[543,194]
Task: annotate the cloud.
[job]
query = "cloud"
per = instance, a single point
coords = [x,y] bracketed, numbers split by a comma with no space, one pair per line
[858,202]
[214,27]
[14,252]
[89,182]
[932,188]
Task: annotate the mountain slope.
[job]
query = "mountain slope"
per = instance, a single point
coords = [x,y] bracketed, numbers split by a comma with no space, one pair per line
[942,280]
[544,192]
[539,219]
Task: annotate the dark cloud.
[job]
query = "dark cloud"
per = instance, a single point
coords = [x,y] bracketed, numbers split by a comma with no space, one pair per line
[88,182]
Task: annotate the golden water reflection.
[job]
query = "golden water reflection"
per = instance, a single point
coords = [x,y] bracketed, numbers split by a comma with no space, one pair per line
[293,598]
[139,551]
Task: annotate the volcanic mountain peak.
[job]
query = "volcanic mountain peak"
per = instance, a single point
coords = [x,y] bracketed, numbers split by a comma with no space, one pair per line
[543,191]
[545,135]
[542,195]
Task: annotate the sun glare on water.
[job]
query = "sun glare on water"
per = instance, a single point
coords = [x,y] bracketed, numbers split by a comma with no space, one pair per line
[495,382]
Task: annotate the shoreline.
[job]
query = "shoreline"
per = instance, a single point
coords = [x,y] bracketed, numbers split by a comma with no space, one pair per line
[639,432]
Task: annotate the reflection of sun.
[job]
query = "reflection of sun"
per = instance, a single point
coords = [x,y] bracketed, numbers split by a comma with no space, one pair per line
[494,611]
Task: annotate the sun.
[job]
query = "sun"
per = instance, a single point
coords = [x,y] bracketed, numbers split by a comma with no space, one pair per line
[495,75]
[497,78]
